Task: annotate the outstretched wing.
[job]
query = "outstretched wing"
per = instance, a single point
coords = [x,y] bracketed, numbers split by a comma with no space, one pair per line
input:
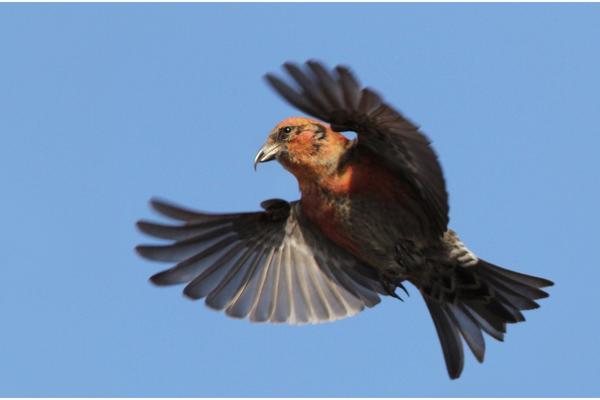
[271,265]
[337,98]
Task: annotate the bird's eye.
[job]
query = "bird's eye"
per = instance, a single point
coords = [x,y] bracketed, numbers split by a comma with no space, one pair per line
[284,132]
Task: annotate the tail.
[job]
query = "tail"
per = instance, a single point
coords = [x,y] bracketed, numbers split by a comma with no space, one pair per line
[464,301]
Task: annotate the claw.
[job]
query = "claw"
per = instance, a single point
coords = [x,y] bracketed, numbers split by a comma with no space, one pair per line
[401,286]
[390,289]
[396,296]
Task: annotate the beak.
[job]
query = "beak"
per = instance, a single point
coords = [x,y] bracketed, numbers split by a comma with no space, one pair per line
[266,153]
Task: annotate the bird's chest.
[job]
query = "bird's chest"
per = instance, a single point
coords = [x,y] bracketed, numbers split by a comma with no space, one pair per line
[332,215]
[362,212]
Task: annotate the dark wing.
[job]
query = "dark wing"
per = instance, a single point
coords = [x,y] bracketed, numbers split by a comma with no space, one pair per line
[271,265]
[337,98]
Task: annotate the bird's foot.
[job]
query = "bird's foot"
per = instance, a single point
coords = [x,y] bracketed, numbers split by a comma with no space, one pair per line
[390,287]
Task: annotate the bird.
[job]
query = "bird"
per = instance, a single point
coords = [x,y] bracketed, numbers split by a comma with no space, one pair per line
[372,217]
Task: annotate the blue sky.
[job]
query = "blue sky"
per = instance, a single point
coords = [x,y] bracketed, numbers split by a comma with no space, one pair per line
[105,105]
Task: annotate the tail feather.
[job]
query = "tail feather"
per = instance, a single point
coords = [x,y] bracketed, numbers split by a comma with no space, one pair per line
[485,326]
[466,301]
[518,287]
[513,297]
[469,330]
[527,280]
[449,338]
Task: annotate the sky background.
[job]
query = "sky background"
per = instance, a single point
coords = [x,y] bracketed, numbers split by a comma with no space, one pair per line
[103,106]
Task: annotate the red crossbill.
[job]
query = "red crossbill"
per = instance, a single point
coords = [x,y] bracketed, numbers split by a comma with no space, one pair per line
[373,214]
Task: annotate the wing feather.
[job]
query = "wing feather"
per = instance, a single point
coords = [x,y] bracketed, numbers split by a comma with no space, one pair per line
[269,266]
[229,286]
[193,265]
[266,295]
[247,294]
[207,281]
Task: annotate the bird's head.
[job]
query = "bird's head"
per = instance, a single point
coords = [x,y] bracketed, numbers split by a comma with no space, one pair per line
[304,146]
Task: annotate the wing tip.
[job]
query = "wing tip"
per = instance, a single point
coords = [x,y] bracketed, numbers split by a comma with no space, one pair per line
[157,202]
[162,206]
[158,279]
[145,226]
[168,277]
[545,282]
[188,293]
[290,65]
[271,79]
[145,251]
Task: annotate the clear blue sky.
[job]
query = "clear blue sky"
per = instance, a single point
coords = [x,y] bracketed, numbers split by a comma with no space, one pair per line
[103,106]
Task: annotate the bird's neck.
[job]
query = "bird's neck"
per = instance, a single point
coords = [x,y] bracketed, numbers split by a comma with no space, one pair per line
[330,181]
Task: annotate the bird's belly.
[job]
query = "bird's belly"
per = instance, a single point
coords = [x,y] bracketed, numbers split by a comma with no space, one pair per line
[367,227]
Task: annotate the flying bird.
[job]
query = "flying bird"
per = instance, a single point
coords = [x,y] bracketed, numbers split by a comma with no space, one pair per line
[372,216]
